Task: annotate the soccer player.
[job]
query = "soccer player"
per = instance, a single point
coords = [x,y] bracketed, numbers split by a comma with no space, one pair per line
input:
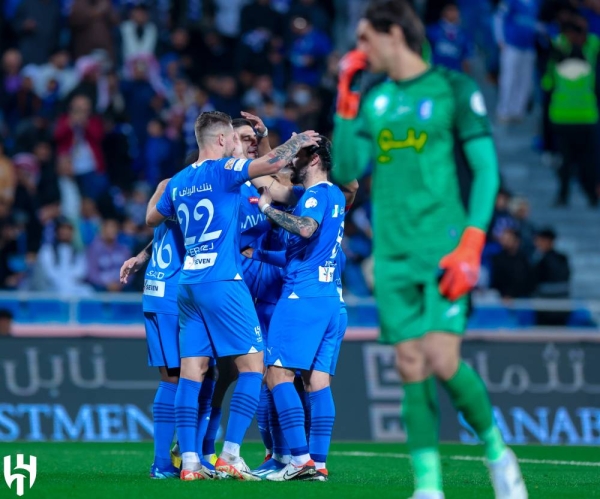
[165,253]
[263,282]
[427,245]
[216,315]
[305,323]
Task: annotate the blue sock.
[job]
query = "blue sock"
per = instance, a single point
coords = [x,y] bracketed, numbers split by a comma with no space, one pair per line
[243,406]
[262,417]
[204,401]
[208,446]
[163,411]
[305,398]
[322,410]
[186,413]
[280,446]
[291,417]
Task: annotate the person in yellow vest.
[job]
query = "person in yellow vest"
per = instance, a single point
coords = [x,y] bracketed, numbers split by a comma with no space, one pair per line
[572,80]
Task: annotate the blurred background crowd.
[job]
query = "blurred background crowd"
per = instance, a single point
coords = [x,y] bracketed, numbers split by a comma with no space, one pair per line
[98,100]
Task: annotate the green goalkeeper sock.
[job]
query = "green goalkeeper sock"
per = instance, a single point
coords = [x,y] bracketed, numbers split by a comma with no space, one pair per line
[470,397]
[420,413]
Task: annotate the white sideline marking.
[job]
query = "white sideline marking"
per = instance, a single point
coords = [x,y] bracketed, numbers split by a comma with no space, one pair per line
[468,458]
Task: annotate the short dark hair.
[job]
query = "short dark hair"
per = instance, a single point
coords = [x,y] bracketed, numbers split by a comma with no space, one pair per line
[323,150]
[383,14]
[547,233]
[240,122]
[206,122]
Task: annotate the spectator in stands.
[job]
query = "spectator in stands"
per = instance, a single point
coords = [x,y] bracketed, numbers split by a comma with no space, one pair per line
[552,272]
[26,204]
[515,30]
[89,221]
[37,24]
[92,23]
[10,86]
[104,258]
[56,69]
[6,323]
[451,44]
[311,10]
[260,15]
[511,273]
[572,80]
[502,218]
[308,52]
[139,36]
[9,249]
[7,177]
[519,209]
[61,266]
[79,134]
[552,277]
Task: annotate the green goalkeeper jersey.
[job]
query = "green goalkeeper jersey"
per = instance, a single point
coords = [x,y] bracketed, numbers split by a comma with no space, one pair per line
[409,131]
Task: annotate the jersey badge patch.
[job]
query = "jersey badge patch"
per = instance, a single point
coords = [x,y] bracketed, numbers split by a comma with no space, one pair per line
[253,200]
[478,104]
[425,109]
[229,164]
[311,203]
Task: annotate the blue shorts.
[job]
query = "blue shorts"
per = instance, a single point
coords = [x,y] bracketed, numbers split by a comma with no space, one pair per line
[162,337]
[217,319]
[264,311]
[338,345]
[303,333]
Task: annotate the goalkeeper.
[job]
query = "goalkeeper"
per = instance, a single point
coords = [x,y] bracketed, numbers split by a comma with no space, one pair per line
[427,246]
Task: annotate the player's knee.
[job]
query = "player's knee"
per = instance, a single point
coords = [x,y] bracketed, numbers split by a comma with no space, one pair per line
[278,375]
[169,375]
[442,363]
[194,368]
[411,364]
[250,363]
[317,380]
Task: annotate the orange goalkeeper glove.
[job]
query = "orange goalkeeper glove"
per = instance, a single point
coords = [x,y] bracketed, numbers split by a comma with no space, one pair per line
[349,101]
[461,267]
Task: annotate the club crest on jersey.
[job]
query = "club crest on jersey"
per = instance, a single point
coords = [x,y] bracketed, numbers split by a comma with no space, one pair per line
[425,109]
[229,164]
[311,203]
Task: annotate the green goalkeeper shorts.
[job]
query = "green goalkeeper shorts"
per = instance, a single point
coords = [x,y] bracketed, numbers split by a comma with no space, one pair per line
[409,303]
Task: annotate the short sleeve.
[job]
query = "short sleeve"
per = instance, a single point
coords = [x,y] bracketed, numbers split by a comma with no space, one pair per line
[471,117]
[314,204]
[165,204]
[232,172]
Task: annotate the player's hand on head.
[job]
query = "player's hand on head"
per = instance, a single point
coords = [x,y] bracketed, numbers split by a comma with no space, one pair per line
[309,138]
[257,123]
[351,65]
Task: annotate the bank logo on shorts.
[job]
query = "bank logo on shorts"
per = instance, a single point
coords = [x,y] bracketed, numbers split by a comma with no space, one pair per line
[20,478]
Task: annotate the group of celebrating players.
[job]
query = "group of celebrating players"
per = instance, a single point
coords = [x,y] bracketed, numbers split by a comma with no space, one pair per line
[245,268]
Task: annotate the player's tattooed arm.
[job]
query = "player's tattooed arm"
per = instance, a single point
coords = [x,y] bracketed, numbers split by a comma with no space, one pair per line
[302,226]
[279,157]
[134,264]
[153,217]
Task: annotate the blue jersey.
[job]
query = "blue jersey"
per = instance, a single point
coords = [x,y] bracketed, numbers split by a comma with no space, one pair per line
[450,45]
[340,264]
[206,199]
[250,217]
[310,263]
[519,22]
[162,273]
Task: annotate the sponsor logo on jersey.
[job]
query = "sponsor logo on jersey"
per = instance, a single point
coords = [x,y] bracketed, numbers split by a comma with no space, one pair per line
[199,262]
[311,203]
[425,109]
[326,274]
[154,288]
[229,164]
[253,199]
[478,104]
[387,143]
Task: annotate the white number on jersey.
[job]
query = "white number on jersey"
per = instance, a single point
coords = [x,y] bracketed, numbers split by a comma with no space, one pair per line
[183,214]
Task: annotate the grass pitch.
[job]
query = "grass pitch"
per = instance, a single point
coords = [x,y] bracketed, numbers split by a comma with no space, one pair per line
[357,470]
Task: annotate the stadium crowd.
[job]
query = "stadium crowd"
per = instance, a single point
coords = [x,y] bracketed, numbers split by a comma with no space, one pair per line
[98,99]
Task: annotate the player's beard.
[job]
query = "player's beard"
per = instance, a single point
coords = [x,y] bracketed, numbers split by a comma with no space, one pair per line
[298,175]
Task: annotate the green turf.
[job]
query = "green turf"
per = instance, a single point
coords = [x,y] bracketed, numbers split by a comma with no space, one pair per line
[114,471]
